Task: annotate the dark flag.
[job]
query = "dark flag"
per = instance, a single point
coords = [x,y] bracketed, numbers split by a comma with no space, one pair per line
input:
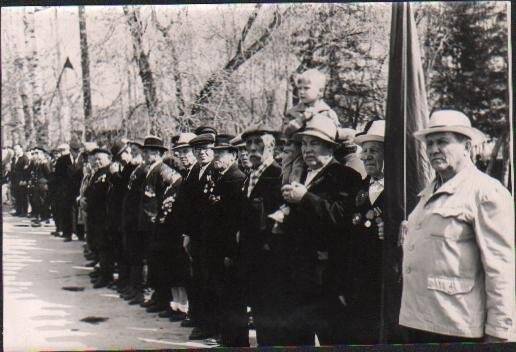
[407,171]
[68,64]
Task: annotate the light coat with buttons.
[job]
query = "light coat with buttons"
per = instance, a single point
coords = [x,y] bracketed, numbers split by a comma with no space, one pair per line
[459,260]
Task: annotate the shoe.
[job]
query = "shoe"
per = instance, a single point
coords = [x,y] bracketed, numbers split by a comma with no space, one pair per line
[177,316]
[101,282]
[54,233]
[94,274]
[200,334]
[148,303]
[67,239]
[130,295]
[188,323]
[35,224]
[138,299]
[91,264]
[156,308]
[167,313]
[126,289]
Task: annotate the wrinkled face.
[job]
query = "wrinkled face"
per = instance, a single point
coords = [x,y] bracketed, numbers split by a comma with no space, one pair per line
[309,92]
[126,156]
[204,153]
[152,155]
[372,156]
[223,158]
[256,149]
[186,156]
[446,151]
[102,160]
[315,151]
[243,157]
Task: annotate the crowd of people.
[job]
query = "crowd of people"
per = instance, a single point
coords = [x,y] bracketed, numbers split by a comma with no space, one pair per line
[287,223]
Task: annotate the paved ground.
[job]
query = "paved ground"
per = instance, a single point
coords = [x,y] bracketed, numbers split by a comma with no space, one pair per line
[40,315]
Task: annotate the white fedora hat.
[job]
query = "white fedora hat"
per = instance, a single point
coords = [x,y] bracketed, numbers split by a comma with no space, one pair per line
[321,127]
[450,121]
[374,132]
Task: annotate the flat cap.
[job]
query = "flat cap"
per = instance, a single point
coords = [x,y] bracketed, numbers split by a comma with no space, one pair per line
[202,139]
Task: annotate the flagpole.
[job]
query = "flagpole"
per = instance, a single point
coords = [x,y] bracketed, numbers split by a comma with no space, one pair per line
[66,64]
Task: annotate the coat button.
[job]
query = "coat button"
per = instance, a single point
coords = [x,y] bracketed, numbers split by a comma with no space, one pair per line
[409,270]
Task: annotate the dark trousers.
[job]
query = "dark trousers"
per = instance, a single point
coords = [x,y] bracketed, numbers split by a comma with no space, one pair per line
[132,255]
[91,239]
[106,254]
[21,200]
[233,327]
[66,210]
[195,294]
[265,275]
[420,336]
[39,203]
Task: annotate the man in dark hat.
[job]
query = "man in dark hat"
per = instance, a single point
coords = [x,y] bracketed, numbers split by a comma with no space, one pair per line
[120,169]
[225,305]
[243,156]
[261,253]
[20,179]
[199,194]
[96,206]
[133,252]
[154,186]
[68,175]
[191,168]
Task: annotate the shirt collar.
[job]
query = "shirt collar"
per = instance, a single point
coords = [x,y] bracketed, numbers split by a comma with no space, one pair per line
[377,180]
[450,186]
[322,167]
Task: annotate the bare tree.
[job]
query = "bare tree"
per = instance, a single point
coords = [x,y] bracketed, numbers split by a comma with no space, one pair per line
[85,65]
[241,55]
[165,32]
[142,58]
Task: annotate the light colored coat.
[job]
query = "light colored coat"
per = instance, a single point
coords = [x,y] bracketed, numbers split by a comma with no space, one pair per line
[459,260]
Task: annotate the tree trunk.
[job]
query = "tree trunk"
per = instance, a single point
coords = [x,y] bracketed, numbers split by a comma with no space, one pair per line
[494,154]
[28,71]
[240,57]
[145,72]
[85,65]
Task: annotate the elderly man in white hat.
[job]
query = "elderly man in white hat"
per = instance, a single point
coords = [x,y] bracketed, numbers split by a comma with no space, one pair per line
[366,242]
[458,245]
[318,223]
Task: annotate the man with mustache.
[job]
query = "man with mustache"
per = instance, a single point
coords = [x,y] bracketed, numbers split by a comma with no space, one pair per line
[261,254]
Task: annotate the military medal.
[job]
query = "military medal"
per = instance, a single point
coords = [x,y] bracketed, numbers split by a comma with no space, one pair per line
[367,223]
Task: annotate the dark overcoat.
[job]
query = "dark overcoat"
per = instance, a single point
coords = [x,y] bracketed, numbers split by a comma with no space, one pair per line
[364,274]
[219,225]
[317,229]
[171,262]
[154,188]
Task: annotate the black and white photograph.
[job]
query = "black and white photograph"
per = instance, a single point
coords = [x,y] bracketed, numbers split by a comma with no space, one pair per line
[256,175]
